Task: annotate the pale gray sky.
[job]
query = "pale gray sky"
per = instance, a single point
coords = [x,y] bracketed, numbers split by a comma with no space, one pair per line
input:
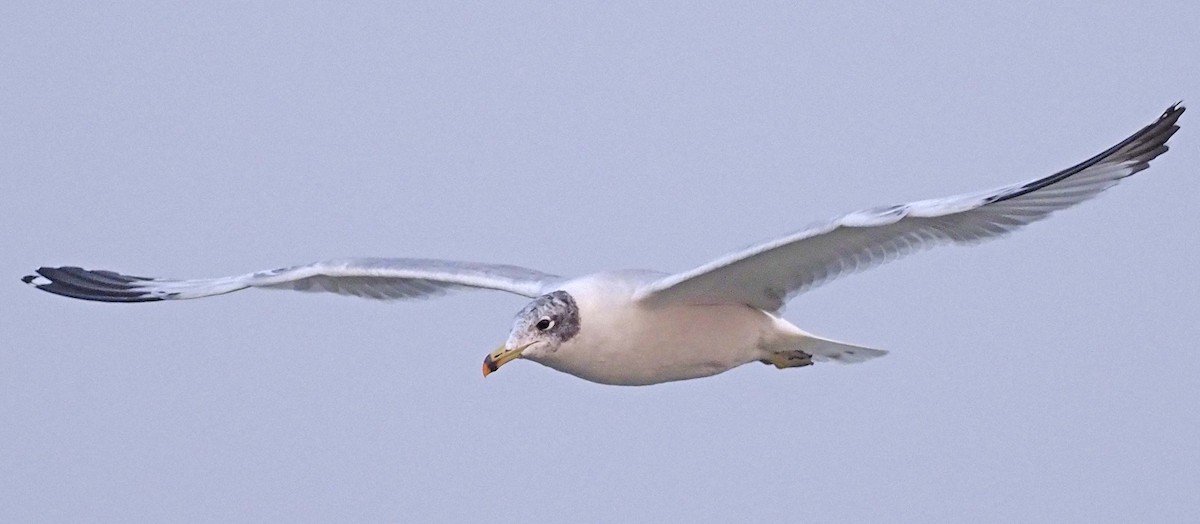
[1051,376]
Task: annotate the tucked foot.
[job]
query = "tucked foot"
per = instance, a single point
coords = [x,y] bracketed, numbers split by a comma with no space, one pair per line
[789,359]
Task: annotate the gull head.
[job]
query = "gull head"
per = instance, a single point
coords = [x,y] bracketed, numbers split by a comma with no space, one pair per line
[539,329]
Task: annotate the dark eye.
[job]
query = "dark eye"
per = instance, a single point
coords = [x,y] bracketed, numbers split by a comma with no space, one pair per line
[544,324]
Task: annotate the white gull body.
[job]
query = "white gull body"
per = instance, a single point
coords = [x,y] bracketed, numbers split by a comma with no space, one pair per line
[627,342]
[644,327]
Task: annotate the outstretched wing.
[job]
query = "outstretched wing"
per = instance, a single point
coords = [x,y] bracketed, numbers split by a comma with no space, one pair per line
[767,275]
[379,278]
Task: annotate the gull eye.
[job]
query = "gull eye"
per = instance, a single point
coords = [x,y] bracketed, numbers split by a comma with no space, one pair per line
[544,324]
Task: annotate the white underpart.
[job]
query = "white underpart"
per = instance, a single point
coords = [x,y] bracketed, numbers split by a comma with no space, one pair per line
[624,342]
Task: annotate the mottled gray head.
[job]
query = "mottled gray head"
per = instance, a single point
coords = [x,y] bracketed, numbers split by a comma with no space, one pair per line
[540,328]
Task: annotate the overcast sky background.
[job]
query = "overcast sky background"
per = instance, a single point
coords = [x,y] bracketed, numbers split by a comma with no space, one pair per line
[1050,376]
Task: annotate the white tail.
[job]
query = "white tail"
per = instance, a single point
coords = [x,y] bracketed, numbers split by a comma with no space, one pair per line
[823,349]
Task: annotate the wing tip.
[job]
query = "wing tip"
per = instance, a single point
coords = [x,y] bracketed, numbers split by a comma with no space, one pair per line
[84,284]
[1135,152]
[1147,144]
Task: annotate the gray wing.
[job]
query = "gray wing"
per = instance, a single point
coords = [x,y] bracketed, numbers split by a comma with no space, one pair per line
[379,278]
[767,275]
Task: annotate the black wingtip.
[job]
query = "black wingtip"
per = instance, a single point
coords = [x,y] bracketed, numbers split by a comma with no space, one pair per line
[100,286]
[1138,150]
[1171,116]
[1175,110]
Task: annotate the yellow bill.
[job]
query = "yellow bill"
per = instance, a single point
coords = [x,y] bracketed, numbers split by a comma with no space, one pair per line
[500,357]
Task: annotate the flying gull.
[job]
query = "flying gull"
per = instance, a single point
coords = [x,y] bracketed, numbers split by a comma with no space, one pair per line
[637,327]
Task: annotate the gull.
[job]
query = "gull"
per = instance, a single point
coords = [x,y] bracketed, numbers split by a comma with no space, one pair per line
[639,327]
